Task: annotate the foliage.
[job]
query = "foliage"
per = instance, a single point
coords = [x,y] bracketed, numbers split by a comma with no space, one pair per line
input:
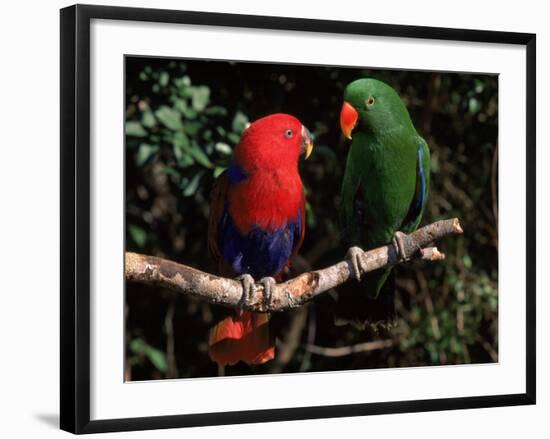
[182,120]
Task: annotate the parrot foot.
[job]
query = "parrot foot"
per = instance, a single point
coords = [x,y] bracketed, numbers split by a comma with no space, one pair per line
[358,268]
[398,243]
[249,289]
[269,285]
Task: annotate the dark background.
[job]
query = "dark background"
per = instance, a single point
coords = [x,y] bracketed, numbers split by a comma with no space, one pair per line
[182,119]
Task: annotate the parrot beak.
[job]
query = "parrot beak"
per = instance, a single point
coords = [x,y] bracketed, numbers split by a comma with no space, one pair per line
[307,142]
[348,119]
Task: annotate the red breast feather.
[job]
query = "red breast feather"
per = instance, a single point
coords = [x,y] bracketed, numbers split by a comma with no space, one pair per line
[272,193]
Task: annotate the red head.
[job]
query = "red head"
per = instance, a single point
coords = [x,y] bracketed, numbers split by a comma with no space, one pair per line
[273,142]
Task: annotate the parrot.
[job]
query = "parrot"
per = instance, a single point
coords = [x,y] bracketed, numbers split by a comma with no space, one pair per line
[256,224]
[383,194]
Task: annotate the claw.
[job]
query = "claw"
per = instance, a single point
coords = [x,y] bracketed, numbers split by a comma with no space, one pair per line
[269,284]
[249,289]
[398,243]
[357,261]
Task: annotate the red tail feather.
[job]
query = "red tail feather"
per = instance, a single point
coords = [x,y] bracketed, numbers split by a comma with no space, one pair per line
[242,337]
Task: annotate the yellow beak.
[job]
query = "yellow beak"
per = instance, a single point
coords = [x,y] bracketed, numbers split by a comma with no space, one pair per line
[307,142]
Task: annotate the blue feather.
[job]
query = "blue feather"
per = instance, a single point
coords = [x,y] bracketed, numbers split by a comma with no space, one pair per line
[258,253]
[420,199]
[235,173]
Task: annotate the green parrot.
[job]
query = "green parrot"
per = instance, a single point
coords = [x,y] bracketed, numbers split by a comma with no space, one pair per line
[384,190]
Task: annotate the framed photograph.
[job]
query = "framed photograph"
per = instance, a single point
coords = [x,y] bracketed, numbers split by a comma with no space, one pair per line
[253,202]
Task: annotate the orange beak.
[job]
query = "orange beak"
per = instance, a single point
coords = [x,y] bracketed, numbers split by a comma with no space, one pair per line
[348,119]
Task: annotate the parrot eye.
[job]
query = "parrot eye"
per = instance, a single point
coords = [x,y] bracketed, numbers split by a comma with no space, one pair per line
[370,102]
[289,133]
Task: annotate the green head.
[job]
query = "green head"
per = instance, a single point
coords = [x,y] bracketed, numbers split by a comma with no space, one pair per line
[372,105]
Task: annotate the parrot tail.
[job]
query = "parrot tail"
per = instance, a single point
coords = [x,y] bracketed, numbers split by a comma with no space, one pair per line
[369,303]
[243,336]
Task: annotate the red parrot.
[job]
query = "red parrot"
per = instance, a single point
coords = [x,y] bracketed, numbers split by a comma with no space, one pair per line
[256,224]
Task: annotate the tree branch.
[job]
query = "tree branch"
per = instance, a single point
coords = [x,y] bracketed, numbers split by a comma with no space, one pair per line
[342,351]
[293,293]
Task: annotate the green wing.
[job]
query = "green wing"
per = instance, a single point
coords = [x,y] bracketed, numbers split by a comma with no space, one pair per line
[420,200]
[351,222]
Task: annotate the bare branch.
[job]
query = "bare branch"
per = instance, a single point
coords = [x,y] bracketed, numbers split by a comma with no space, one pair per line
[348,350]
[293,293]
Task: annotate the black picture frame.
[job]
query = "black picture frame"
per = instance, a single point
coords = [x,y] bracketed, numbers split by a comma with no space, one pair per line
[75,217]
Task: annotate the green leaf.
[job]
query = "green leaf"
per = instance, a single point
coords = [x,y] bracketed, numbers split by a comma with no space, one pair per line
[181,149]
[145,153]
[169,117]
[186,110]
[200,97]
[479,85]
[134,128]
[474,105]
[168,170]
[223,148]
[218,170]
[180,104]
[185,160]
[163,79]
[148,119]
[240,122]
[215,110]
[181,140]
[184,148]
[137,345]
[193,185]
[138,235]
[310,215]
[192,127]
[156,356]
[183,82]
[190,113]
[199,155]
[179,154]
[234,138]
